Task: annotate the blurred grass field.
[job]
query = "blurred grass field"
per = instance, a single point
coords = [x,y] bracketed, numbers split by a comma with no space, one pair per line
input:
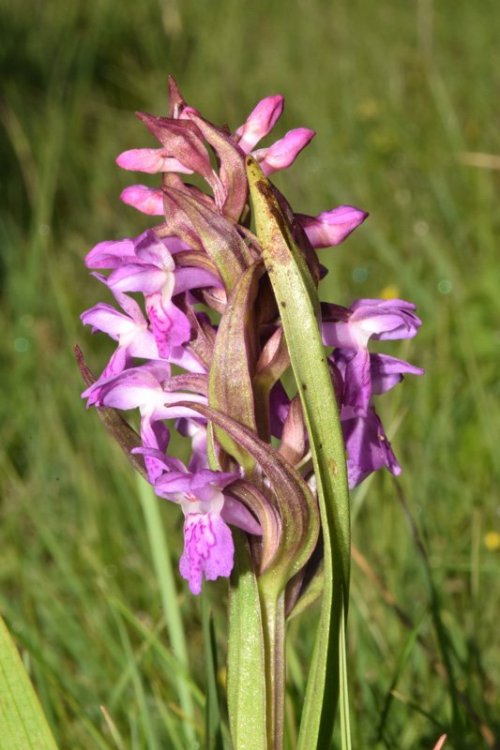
[400,94]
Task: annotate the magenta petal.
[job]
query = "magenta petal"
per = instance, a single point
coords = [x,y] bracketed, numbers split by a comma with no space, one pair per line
[150,160]
[284,152]
[110,254]
[137,387]
[331,227]
[385,319]
[367,448]
[207,484]
[159,436]
[151,250]
[260,122]
[154,435]
[238,515]
[147,200]
[208,549]
[170,326]
[132,277]
[194,278]
[119,360]
[357,380]
[386,372]
[103,317]
[180,356]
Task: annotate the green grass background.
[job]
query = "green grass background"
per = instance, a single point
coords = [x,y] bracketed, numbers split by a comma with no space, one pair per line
[398,92]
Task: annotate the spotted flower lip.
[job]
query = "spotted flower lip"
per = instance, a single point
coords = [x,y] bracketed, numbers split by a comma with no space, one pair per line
[148,266]
[208,549]
[208,545]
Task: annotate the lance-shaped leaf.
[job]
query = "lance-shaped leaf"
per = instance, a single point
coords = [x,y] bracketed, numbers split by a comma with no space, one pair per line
[230,381]
[126,437]
[23,725]
[298,304]
[220,239]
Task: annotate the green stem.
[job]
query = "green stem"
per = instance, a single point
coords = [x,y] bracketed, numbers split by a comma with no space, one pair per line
[273,623]
[246,685]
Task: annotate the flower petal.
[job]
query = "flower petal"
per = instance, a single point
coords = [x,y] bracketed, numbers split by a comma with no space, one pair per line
[260,122]
[284,152]
[150,160]
[208,549]
[331,227]
[147,200]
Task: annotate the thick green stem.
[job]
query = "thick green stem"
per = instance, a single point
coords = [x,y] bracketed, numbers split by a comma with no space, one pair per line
[246,688]
[273,623]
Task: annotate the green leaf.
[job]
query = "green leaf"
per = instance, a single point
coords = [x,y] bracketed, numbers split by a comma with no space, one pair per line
[23,725]
[298,303]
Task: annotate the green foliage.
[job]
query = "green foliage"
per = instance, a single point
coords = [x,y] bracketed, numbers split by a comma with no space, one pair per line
[398,95]
[298,303]
[22,722]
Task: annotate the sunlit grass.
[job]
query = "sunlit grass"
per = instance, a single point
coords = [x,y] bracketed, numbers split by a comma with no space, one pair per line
[397,95]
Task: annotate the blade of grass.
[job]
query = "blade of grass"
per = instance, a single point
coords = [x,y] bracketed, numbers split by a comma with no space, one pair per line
[173,616]
[146,720]
[407,651]
[22,723]
[213,729]
[151,642]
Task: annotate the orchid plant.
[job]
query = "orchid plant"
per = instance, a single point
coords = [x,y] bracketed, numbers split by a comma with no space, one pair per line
[213,308]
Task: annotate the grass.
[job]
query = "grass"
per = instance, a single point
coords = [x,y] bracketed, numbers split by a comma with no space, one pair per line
[397,93]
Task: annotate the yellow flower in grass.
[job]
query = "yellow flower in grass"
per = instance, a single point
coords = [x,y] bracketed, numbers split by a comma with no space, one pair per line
[492,541]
